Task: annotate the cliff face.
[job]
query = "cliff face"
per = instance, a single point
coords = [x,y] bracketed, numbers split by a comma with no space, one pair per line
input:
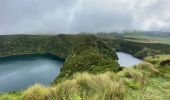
[149,80]
[90,59]
[89,53]
[59,45]
[80,52]
[142,50]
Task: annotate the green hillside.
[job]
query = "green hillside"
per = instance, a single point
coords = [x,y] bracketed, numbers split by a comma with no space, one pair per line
[91,70]
[147,81]
[148,37]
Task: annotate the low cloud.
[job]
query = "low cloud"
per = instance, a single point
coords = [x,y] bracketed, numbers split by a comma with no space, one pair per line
[74,16]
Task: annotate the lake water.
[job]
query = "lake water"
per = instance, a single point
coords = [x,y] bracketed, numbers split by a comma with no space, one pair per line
[19,72]
[127,60]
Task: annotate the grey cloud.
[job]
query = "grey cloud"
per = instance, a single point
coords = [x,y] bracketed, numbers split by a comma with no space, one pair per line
[26,16]
[98,21]
[37,16]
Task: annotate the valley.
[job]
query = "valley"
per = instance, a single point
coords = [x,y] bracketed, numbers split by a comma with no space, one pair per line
[91,58]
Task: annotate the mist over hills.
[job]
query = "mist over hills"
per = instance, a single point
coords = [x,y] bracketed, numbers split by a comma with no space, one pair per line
[65,16]
[150,33]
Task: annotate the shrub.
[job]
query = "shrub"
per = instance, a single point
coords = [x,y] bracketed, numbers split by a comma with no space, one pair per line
[36,92]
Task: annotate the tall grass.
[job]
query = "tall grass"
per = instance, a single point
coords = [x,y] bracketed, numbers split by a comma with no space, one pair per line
[36,92]
[10,97]
[141,82]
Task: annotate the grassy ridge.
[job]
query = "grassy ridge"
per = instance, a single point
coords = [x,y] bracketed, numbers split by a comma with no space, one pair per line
[146,81]
[148,37]
[91,71]
[90,59]
[92,53]
[61,45]
[142,50]
[58,45]
[81,52]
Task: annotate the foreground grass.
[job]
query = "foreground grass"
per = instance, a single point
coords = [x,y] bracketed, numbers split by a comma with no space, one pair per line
[149,80]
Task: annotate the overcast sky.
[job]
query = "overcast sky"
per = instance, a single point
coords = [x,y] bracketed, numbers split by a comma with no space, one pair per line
[73,16]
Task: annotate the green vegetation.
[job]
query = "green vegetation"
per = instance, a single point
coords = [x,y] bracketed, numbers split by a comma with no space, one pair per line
[90,59]
[146,81]
[83,52]
[142,50]
[91,70]
[62,46]
[59,45]
[148,37]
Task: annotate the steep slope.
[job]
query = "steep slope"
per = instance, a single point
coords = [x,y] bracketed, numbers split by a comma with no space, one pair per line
[147,81]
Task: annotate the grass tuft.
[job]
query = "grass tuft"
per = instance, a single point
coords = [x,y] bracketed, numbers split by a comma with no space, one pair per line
[36,92]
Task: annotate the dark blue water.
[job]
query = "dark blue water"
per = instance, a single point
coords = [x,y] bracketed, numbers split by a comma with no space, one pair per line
[20,72]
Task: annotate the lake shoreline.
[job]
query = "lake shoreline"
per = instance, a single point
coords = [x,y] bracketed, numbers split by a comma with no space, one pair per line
[22,71]
[126,59]
[48,55]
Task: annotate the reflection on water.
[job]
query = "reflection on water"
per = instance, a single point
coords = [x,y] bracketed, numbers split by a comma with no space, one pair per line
[21,72]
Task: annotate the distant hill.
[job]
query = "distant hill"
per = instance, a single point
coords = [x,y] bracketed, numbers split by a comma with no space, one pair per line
[150,33]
